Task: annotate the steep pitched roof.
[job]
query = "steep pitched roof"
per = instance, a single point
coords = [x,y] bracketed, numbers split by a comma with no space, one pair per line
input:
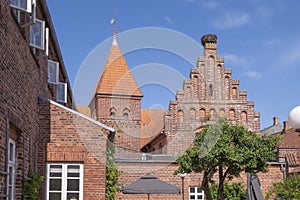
[152,123]
[116,77]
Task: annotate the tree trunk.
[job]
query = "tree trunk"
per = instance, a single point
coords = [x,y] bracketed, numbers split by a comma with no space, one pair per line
[221,184]
[205,185]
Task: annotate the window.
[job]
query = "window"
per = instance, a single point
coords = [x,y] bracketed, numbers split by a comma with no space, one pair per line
[21,4]
[53,72]
[11,168]
[126,112]
[64,181]
[61,92]
[37,33]
[180,116]
[195,193]
[125,116]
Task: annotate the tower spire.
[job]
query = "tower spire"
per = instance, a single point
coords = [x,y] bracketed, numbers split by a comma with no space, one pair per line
[113,21]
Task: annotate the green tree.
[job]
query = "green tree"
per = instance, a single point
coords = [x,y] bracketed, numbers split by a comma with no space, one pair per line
[112,173]
[31,186]
[226,150]
[289,189]
[234,191]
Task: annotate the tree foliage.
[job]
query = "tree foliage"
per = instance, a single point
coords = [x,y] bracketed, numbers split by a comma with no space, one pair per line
[31,186]
[289,189]
[234,191]
[112,173]
[226,150]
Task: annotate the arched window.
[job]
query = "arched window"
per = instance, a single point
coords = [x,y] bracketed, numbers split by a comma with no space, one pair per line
[244,116]
[126,113]
[231,114]
[112,113]
[212,113]
[180,116]
[193,113]
[222,112]
[227,91]
[211,90]
[202,113]
[234,93]
[188,92]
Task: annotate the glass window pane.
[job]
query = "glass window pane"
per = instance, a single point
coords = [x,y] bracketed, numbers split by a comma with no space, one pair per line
[72,196]
[10,176]
[19,4]
[73,185]
[52,71]
[199,190]
[36,34]
[55,184]
[11,152]
[192,190]
[54,195]
[199,197]
[192,197]
[61,92]
[55,171]
[73,171]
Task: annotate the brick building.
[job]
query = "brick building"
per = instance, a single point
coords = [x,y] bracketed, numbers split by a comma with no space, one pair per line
[40,129]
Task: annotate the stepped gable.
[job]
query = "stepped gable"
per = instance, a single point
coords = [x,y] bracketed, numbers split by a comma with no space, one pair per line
[116,77]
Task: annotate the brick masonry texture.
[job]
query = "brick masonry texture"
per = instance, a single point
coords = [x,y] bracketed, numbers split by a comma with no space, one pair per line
[67,137]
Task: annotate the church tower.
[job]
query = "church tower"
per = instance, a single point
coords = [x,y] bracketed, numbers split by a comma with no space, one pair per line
[117,99]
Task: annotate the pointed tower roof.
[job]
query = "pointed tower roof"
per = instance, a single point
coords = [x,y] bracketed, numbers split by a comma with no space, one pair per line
[116,77]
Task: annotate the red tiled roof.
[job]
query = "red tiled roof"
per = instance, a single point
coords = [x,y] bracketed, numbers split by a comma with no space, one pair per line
[84,110]
[152,122]
[116,77]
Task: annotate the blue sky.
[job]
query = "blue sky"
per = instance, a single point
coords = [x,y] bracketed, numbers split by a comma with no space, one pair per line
[259,40]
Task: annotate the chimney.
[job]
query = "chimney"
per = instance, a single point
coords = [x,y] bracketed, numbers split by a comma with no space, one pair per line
[275,120]
[286,126]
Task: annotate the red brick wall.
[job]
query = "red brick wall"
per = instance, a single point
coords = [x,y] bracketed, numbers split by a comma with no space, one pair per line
[131,171]
[68,137]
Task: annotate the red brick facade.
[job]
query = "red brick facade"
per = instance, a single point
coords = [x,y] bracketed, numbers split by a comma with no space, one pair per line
[66,136]
[32,131]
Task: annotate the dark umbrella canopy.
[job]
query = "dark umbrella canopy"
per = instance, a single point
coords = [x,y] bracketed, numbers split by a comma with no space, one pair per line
[149,184]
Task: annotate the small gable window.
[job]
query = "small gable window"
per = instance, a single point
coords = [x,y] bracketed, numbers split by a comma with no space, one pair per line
[37,34]
[61,92]
[21,5]
[53,71]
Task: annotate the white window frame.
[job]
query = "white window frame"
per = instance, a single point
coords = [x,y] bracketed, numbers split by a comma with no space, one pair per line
[17,4]
[40,34]
[63,97]
[55,66]
[64,178]
[11,169]
[197,192]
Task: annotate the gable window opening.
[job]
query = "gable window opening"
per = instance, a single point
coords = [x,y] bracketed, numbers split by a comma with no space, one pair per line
[37,34]
[25,5]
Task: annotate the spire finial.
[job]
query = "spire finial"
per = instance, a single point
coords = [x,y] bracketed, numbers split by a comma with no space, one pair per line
[113,21]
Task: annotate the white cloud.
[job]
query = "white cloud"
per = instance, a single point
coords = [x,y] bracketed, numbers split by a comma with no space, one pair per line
[253,74]
[231,20]
[235,60]
[169,20]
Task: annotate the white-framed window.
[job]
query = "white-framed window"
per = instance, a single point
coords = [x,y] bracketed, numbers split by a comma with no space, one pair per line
[53,71]
[37,34]
[11,168]
[61,92]
[64,181]
[25,5]
[195,193]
